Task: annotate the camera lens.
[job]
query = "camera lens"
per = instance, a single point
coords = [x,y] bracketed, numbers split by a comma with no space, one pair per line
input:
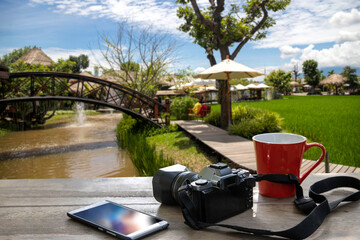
[167,181]
[179,181]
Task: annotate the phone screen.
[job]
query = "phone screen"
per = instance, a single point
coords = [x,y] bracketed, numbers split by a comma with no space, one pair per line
[117,218]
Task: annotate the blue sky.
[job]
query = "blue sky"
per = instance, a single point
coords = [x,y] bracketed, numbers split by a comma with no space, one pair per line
[325,30]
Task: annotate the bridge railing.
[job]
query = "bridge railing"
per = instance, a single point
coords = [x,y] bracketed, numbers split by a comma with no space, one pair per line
[28,86]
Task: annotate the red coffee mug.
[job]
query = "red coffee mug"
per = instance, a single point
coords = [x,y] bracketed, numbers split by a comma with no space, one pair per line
[281,153]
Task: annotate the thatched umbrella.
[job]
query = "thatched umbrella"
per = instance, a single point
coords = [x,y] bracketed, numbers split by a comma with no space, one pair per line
[35,56]
[294,84]
[336,80]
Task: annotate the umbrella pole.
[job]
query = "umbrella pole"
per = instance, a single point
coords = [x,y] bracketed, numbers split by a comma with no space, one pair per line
[228,101]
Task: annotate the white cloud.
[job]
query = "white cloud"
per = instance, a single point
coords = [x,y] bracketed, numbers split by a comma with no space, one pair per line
[345,18]
[339,55]
[308,22]
[161,15]
[288,51]
[199,70]
[95,56]
[345,36]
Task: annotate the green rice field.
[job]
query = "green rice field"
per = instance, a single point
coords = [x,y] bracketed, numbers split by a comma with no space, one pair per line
[333,121]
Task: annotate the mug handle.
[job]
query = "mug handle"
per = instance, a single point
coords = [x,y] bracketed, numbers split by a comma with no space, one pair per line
[307,146]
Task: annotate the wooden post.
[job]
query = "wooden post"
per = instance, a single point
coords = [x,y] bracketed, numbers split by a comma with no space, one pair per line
[327,167]
[156,108]
[4,75]
[167,106]
[228,101]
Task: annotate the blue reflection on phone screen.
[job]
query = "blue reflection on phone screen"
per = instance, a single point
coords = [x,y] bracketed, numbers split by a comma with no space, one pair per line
[117,218]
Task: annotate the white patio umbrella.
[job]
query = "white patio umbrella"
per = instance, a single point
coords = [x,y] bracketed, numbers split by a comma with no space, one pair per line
[198,82]
[251,86]
[211,88]
[177,86]
[262,85]
[240,87]
[226,70]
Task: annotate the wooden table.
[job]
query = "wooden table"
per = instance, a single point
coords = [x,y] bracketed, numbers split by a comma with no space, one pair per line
[36,209]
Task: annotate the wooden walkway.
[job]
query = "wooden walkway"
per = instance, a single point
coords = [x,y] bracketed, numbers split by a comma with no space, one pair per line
[240,150]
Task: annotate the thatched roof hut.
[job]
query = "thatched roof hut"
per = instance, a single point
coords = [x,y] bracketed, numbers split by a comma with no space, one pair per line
[35,56]
[334,79]
[75,82]
[113,76]
[294,84]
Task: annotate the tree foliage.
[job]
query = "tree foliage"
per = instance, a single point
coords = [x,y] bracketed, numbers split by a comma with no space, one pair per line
[11,57]
[138,59]
[81,62]
[280,80]
[59,66]
[312,73]
[352,79]
[217,28]
[331,72]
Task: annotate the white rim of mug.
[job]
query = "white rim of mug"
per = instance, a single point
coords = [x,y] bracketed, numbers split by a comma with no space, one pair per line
[256,138]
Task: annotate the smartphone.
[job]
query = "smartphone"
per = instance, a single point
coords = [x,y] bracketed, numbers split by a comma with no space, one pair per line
[118,220]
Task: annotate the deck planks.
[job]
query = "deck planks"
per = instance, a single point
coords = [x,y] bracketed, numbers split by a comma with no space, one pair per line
[240,150]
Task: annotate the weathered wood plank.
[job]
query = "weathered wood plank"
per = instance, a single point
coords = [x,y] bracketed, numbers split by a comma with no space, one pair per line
[238,149]
[337,168]
[39,207]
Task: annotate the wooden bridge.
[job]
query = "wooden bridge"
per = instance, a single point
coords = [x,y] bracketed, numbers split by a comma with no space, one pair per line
[40,88]
[240,151]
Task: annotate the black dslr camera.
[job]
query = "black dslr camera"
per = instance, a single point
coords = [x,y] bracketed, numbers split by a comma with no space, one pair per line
[217,191]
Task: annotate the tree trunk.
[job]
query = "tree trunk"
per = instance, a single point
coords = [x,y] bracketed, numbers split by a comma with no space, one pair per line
[223,102]
[223,88]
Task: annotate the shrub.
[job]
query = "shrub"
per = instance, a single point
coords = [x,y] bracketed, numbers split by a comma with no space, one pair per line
[243,113]
[248,122]
[247,129]
[180,107]
[213,118]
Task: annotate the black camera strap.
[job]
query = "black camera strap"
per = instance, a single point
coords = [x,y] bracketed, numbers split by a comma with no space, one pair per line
[316,206]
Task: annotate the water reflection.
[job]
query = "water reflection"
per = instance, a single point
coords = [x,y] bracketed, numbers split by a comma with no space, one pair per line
[66,151]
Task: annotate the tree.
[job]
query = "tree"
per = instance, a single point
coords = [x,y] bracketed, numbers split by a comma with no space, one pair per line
[96,71]
[10,58]
[331,72]
[280,80]
[215,29]
[296,72]
[81,62]
[130,66]
[311,73]
[242,81]
[60,66]
[138,59]
[352,79]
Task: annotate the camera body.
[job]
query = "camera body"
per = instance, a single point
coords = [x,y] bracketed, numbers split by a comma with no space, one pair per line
[217,191]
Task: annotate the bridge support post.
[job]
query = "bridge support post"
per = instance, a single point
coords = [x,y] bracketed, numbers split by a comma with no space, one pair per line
[167,116]
[4,74]
[156,109]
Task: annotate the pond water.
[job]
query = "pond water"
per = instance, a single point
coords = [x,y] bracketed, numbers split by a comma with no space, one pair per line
[66,150]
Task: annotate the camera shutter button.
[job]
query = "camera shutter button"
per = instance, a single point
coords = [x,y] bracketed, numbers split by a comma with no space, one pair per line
[201,182]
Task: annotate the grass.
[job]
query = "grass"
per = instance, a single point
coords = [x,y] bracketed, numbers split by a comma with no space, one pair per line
[151,148]
[332,121]
[187,151]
